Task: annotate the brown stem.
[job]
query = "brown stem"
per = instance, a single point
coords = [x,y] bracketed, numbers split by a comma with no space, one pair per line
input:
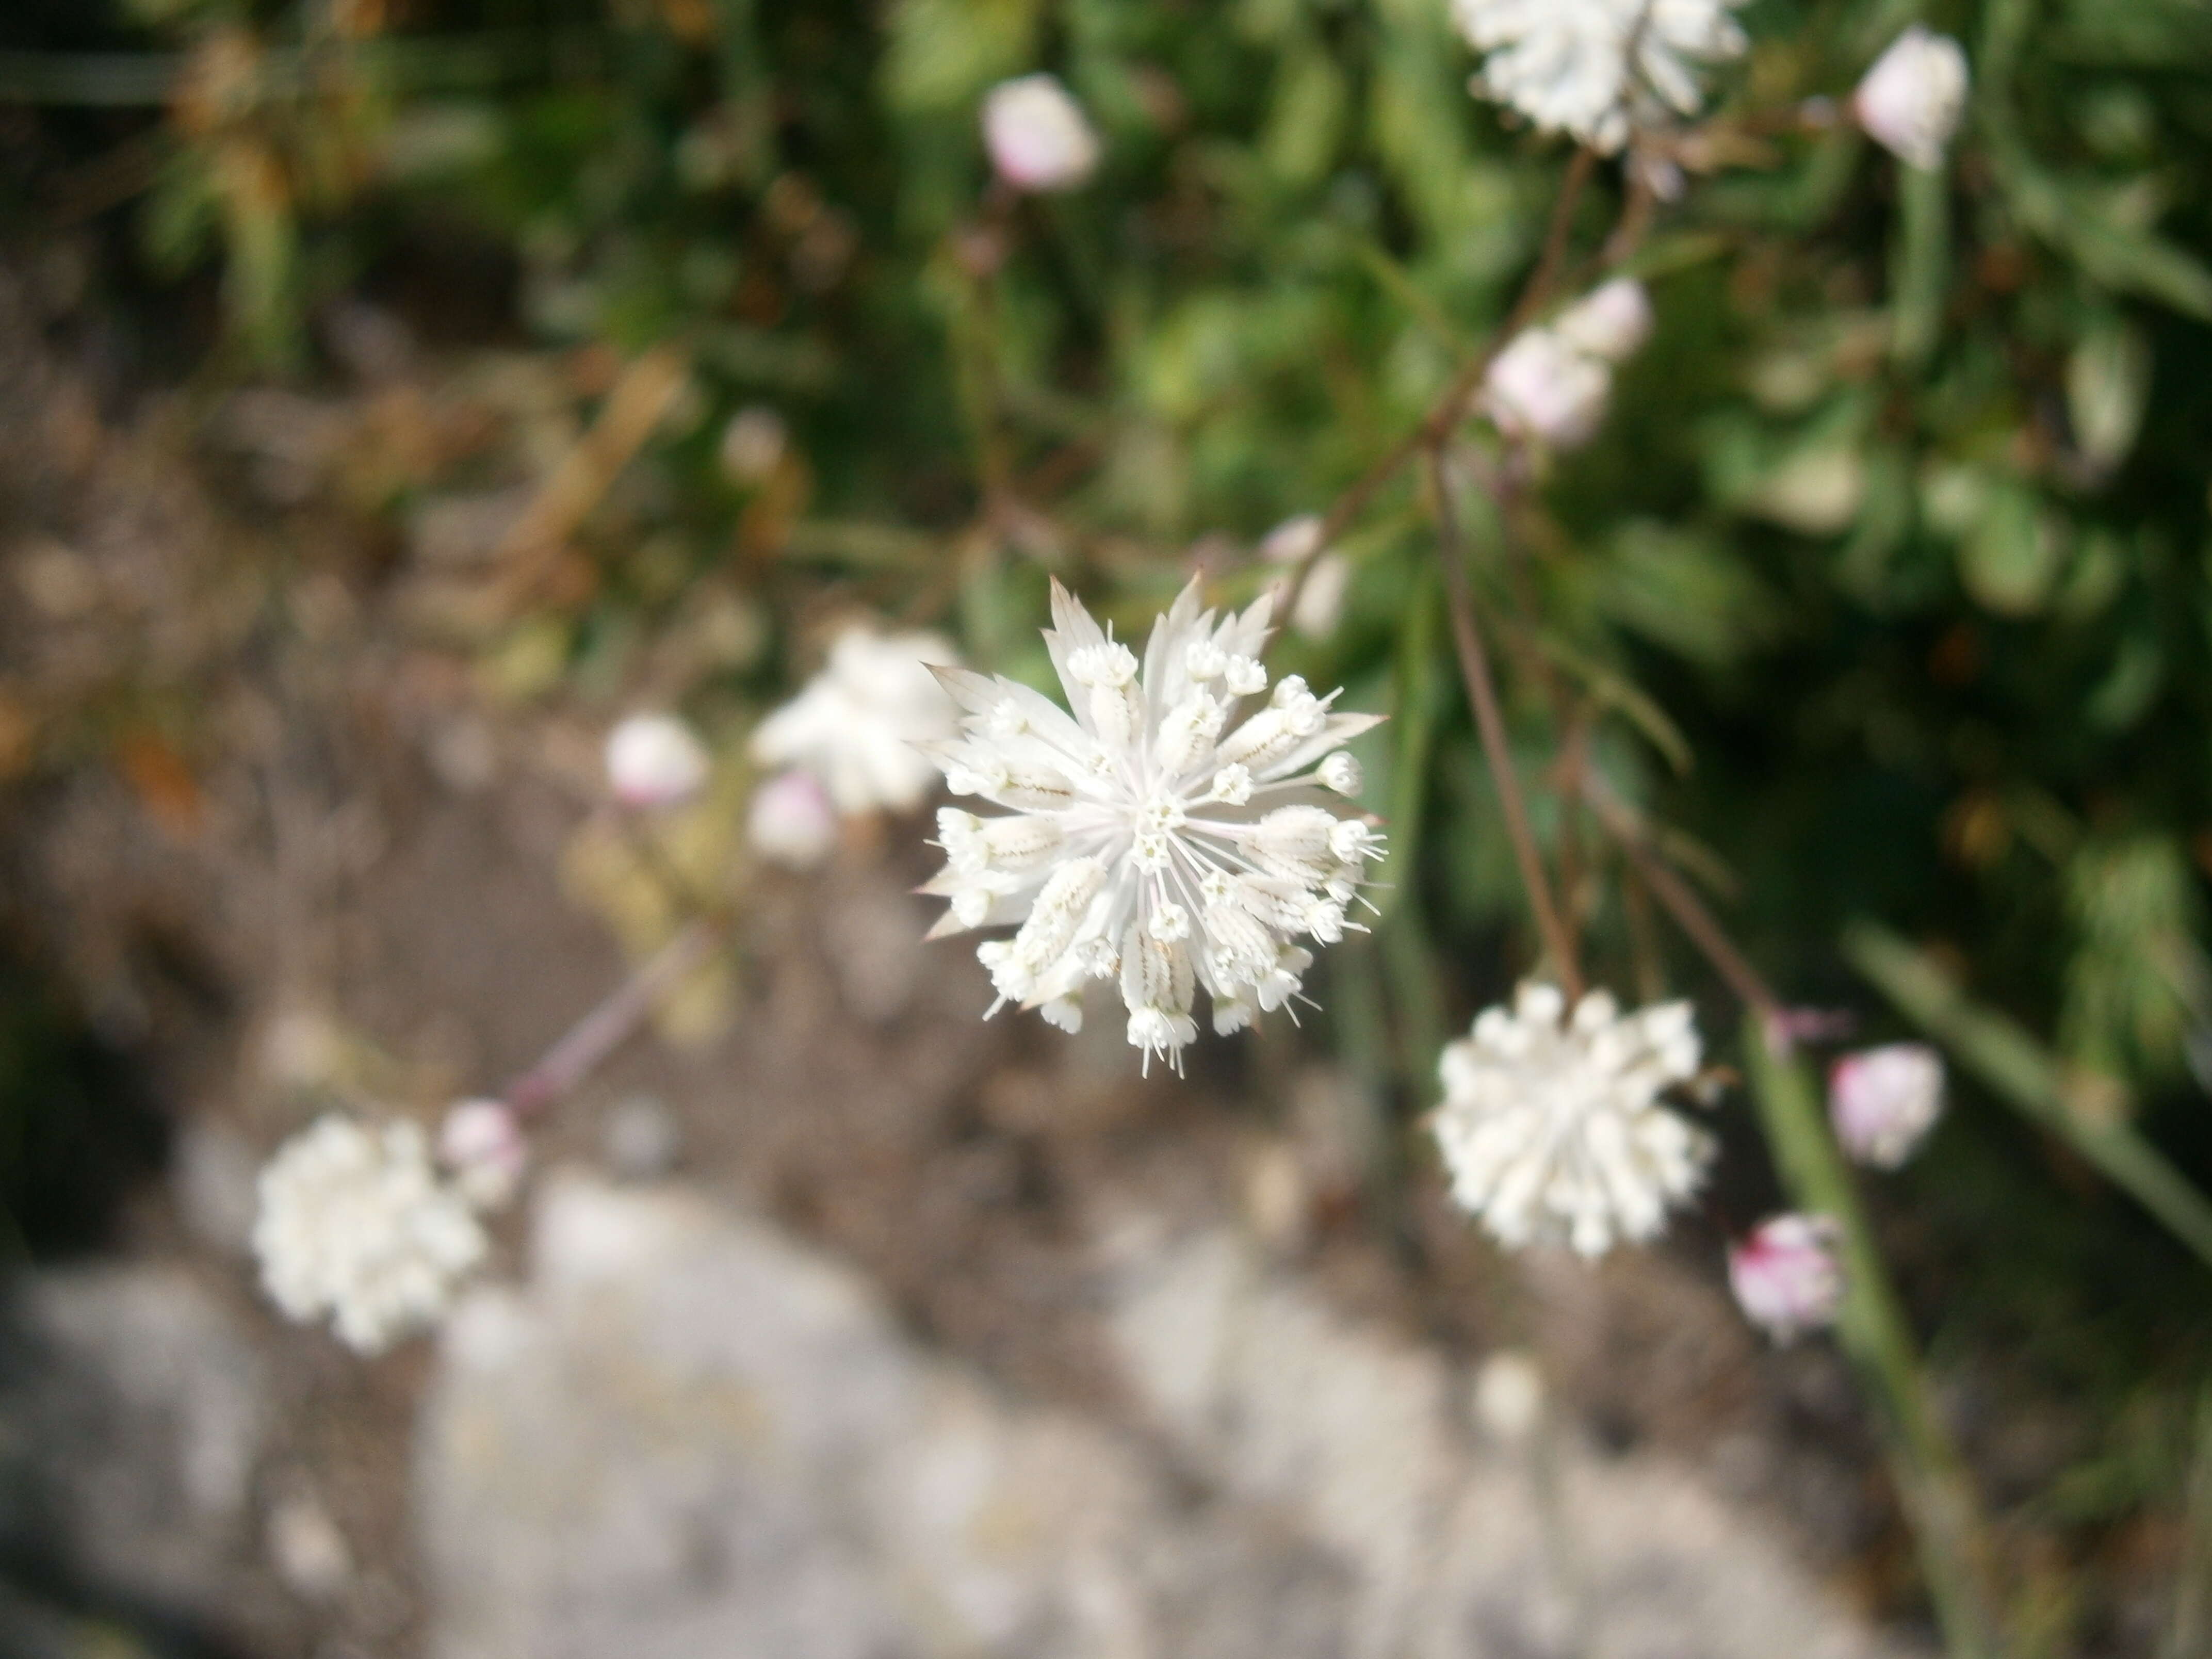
[1435,426]
[1482,695]
[590,1040]
[1688,910]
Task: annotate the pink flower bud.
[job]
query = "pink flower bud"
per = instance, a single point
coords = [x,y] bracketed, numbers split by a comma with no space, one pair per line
[1542,387]
[791,822]
[482,1144]
[1912,98]
[1884,1101]
[653,760]
[1786,1276]
[1037,135]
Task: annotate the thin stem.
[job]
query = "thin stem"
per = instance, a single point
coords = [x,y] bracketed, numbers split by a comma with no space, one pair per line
[587,1044]
[1482,696]
[1932,1480]
[1436,425]
[1688,910]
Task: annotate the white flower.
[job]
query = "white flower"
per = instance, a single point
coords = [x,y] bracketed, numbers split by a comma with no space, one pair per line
[857,723]
[1883,1101]
[1037,135]
[654,759]
[1786,1276]
[791,822]
[482,1142]
[1551,1125]
[1610,323]
[1542,387]
[1169,833]
[355,1224]
[1594,68]
[753,444]
[1910,101]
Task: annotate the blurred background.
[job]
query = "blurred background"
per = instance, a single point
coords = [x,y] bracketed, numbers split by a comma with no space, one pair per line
[396,394]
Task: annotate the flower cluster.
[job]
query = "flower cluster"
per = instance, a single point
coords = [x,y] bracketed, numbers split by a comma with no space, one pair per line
[1596,68]
[856,725]
[1551,383]
[355,1224]
[1551,1125]
[1172,831]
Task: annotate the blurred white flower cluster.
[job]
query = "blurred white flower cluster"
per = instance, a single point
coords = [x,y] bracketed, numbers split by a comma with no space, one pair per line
[1551,383]
[1910,101]
[1596,68]
[355,1225]
[1551,1125]
[850,742]
[1884,1101]
[1172,831]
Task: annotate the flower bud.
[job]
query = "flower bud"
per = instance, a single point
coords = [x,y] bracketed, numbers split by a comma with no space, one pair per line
[1787,1276]
[791,821]
[1543,388]
[1610,323]
[482,1144]
[654,759]
[1037,135]
[1884,1101]
[1912,98]
[1341,773]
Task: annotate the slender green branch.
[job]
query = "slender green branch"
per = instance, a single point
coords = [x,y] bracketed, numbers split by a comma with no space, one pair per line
[2090,1114]
[1932,1480]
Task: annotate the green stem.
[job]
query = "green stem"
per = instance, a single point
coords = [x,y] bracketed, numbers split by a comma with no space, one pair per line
[2090,1115]
[1931,1478]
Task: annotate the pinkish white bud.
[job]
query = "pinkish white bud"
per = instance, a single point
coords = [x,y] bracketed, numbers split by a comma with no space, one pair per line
[1910,101]
[792,820]
[1612,322]
[1884,1101]
[1542,387]
[1037,135]
[654,759]
[1787,1276]
[482,1144]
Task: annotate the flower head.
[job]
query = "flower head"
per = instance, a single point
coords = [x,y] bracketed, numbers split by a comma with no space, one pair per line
[1595,68]
[654,759]
[857,723]
[1551,1125]
[1175,830]
[355,1224]
[1787,1276]
[1884,1101]
[1910,101]
[1037,135]
[1541,386]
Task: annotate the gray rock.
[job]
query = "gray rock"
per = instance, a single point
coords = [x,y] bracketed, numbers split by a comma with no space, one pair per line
[689,1436]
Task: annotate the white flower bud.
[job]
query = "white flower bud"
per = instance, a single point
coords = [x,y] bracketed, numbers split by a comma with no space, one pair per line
[791,821]
[1884,1101]
[1244,676]
[753,444]
[1232,786]
[654,759]
[1110,664]
[1170,922]
[483,1143]
[1188,734]
[1787,1276]
[1341,773]
[1543,388]
[1289,689]
[1202,660]
[1351,841]
[1611,323]
[1037,135]
[1910,101]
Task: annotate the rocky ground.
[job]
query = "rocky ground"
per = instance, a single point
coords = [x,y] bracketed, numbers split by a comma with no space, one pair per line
[852,1326]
